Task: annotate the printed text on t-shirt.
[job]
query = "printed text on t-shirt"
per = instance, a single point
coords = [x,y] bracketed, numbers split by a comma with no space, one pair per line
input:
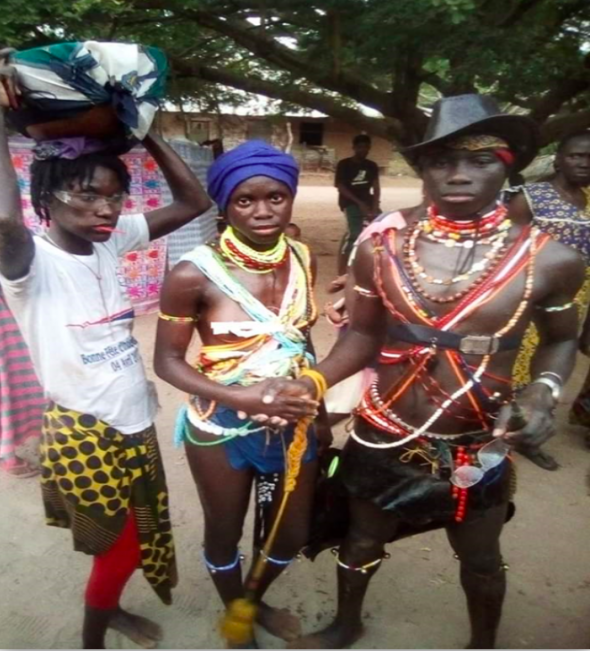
[113,353]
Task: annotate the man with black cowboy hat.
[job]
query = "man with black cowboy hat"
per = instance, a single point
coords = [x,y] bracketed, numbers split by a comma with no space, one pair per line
[443,306]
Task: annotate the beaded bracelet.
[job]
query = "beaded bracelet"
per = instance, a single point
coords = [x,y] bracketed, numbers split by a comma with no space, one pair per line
[176,319]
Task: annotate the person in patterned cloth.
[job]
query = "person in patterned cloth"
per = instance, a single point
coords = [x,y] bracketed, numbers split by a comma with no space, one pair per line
[21,402]
[560,206]
[102,474]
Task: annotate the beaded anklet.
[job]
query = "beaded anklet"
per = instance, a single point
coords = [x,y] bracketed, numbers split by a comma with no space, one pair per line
[223,568]
[363,569]
[504,567]
[276,561]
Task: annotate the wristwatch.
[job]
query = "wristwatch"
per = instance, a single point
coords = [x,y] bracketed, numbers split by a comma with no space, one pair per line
[555,387]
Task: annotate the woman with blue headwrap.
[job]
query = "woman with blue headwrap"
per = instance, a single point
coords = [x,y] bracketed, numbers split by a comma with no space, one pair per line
[249,296]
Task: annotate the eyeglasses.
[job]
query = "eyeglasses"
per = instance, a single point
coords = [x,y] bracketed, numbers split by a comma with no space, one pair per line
[90,200]
[490,456]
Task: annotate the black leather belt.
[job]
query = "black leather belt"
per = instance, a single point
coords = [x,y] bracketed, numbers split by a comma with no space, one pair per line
[468,344]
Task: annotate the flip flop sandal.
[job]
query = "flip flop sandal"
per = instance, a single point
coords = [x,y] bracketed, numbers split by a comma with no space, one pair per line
[539,458]
[23,471]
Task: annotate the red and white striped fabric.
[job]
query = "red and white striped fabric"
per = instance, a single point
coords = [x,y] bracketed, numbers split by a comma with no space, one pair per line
[21,397]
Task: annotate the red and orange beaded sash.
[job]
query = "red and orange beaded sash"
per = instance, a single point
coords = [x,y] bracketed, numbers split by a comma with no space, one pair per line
[375,409]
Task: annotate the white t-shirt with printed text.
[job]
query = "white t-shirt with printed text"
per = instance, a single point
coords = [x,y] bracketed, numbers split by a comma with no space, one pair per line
[77,320]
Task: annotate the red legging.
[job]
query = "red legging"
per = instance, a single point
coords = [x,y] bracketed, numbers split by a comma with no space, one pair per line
[112,570]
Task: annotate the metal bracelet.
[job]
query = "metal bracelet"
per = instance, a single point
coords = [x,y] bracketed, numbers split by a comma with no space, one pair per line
[552,385]
[555,308]
[555,375]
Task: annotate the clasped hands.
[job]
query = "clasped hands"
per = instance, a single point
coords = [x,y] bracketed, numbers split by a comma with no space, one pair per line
[277,402]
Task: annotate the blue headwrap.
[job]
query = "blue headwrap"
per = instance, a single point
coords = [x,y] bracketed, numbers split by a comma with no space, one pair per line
[253,158]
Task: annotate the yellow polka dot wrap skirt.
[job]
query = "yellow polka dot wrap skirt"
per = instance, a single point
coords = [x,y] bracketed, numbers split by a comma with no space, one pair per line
[92,475]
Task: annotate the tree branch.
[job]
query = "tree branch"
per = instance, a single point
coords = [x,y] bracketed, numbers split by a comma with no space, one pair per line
[281,56]
[516,13]
[407,80]
[558,127]
[388,128]
[233,6]
[242,33]
[552,101]
[132,22]
[438,83]
[523,7]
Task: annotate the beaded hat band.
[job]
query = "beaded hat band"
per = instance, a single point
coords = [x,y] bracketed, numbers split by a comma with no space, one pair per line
[477,142]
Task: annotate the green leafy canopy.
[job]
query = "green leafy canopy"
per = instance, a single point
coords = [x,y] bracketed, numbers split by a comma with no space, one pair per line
[339,56]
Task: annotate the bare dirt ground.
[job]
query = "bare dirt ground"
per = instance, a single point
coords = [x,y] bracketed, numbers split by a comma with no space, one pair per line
[414,601]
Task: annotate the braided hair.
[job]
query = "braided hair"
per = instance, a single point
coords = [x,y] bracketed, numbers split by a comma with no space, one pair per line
[48,176]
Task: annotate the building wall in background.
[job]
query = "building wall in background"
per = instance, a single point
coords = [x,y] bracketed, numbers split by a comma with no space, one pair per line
[335,137]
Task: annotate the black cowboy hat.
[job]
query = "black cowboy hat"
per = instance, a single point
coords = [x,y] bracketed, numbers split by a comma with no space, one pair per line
[478,114]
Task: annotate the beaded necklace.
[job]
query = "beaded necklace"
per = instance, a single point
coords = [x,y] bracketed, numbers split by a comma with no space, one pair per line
[247,258]
[418,271]
[456,233]
[276,353]
[416,301]
[443,231]
[280,352]
[451,242]
[458,229]
[375,409]
[511,265]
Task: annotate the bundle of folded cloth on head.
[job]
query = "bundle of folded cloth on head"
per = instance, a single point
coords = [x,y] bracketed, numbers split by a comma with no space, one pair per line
[104,93]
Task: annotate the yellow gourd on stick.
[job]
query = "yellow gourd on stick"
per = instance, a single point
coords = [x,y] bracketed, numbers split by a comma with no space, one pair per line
[237,625]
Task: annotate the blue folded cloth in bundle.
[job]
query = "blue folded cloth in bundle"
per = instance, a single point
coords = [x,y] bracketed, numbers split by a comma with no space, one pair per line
[60,81]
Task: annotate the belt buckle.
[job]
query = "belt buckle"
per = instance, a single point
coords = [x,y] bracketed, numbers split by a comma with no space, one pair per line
[479,345]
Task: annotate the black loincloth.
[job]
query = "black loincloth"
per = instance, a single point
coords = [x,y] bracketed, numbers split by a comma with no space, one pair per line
[420,499]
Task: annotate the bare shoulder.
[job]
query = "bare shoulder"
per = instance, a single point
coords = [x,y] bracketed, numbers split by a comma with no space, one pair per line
[556,255]
[363,266]
[519,211]
[561,268]
[185,274]
[185,280]
[413,214]
[365,251]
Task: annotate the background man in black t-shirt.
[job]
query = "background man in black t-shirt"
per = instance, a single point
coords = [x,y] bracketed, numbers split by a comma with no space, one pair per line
[357,180]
